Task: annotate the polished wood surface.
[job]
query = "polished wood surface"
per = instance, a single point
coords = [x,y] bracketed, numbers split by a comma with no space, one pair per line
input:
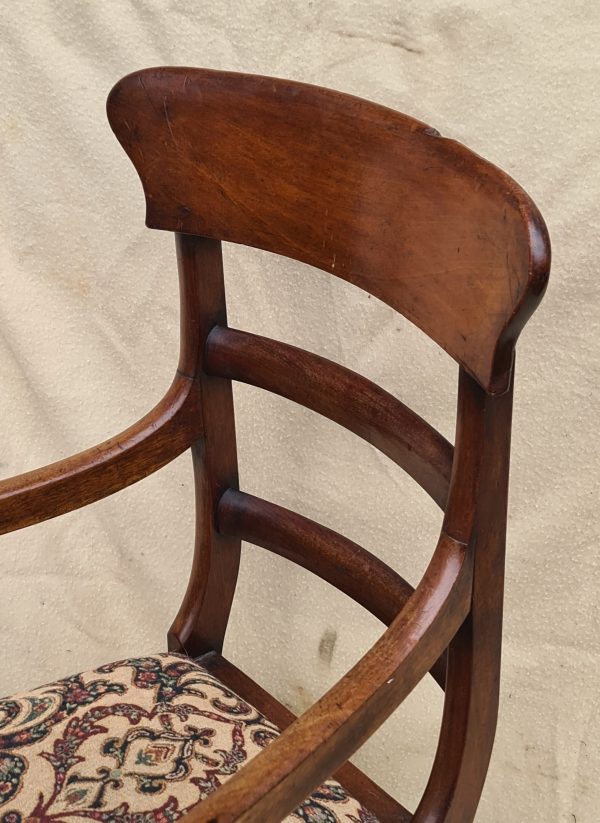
[323,386]
[326,735]
[202,619]
[444,237]
[477,514]
[384,807]
[160,436]
[322,551]
[370,195]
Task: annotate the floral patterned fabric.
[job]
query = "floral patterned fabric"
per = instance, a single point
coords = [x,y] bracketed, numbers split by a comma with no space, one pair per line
[139,741]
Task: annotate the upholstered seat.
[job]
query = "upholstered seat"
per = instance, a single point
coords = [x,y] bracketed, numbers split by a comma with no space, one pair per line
[143,739]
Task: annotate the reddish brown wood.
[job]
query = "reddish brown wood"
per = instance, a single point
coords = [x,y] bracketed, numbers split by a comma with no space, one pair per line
[323,386]
[202,619]
[473,530]
[472,687]
[447,239]
[370,195]
[374,798]
[324,737]
[322,551]
[164,433]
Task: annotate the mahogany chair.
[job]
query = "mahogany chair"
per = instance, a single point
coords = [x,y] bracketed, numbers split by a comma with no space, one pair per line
[449,241]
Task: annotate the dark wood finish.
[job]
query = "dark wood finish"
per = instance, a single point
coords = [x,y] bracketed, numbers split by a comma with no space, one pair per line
[326,553]
[160,436]
[473,680]
[322,551]
[470,553]
[384,807]
[439,234]
[326,735]
[350,187]
[202,619]
[323,386]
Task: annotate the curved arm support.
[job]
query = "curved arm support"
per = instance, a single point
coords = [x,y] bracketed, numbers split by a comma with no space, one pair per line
[164,433]
[278,780]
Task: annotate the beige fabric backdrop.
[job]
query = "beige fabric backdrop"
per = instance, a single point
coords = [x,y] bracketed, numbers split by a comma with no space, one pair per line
[88,342]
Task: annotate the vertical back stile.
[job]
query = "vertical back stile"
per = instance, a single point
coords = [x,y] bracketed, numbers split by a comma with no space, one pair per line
[202,619]
[473,675]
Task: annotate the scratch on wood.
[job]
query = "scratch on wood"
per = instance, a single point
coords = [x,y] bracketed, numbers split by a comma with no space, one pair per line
[150,100]
[167,119]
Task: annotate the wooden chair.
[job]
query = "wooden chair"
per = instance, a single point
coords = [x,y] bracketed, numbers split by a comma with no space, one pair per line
[445,238]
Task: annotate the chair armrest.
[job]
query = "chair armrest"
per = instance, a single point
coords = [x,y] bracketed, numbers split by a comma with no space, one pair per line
[275,782]
[166,431]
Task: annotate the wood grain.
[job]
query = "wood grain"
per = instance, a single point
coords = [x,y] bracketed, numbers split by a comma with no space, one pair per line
[442,236]
[201,621]
[473,679]
[323,386]
[160,436]
[374,798]
[272,784]
[322,551]
[360,191]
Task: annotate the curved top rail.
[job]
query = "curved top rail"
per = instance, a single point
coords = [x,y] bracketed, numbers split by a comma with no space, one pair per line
[358,190]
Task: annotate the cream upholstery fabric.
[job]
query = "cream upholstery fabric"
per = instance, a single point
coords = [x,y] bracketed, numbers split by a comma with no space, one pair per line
[143,739]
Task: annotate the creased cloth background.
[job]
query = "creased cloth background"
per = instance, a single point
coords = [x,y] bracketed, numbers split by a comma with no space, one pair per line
[89,339]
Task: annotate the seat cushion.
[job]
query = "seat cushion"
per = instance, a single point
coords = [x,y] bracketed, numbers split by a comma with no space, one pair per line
[140,740]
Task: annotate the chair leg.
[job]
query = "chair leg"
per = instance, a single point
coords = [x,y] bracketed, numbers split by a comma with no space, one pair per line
[468,728]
